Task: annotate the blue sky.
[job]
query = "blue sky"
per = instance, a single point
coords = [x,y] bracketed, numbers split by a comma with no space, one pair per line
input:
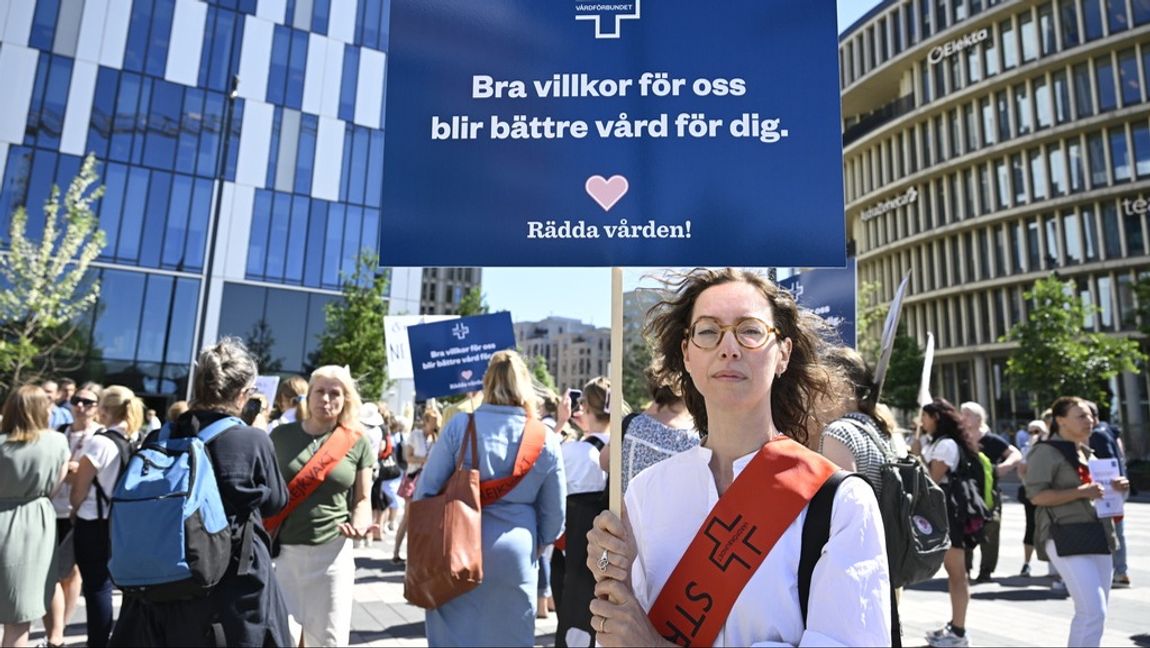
[584,293]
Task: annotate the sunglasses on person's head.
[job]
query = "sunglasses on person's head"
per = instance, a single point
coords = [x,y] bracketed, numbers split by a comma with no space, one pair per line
[86,402]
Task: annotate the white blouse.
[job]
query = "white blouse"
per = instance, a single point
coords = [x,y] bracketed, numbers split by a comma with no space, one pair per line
[850,587]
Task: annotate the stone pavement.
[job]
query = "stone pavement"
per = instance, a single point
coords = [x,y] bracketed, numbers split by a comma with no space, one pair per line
[1012,611]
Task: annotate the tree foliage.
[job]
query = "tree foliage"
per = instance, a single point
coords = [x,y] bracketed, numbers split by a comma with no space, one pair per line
[44,292]
[538,366]
[871,315]
[260,342]
[1056,357]
[900,388]
[473,303]
[636,359]
[354,334]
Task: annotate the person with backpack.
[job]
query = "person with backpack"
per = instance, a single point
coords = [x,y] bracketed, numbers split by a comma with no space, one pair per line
[946,452]
[1004,457]
[1068,531]
[522,486]
[105,456]
[713,545]
[244,606]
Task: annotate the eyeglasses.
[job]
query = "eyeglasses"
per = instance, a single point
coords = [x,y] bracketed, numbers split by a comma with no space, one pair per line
[750,332]
[86,402]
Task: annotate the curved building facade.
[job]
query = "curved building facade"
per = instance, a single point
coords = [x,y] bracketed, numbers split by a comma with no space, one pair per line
[988,144]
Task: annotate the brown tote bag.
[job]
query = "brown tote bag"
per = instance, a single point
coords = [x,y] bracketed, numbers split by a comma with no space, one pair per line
[445,537]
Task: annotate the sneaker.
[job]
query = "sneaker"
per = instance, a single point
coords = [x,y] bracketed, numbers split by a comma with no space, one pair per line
[983,578]
[948,640]
[1057,585]
[1025,570]
[933,634]
[1120,582]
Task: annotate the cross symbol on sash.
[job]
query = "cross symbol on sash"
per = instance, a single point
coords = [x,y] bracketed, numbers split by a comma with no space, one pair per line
[730,539]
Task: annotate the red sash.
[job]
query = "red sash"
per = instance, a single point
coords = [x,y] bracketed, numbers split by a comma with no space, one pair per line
[314,472]
[534,434]
[734,540]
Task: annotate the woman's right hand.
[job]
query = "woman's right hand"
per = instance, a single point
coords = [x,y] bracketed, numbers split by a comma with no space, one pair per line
[1091,491]
[610,534]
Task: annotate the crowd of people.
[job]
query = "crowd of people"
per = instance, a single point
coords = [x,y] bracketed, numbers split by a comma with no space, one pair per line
[750,397]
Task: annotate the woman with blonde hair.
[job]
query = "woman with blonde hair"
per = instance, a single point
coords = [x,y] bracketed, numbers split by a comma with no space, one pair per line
[33,462]
[323,456]
[105,456]
[517,525]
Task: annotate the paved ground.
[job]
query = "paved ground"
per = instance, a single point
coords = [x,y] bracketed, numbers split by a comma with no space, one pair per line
[1012,611]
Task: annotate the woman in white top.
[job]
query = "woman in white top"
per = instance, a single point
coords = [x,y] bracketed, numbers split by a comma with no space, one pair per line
[104,457]
[84,425]
[942,453]
[746,360]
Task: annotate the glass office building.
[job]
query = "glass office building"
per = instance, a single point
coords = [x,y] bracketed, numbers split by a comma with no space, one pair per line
[988,144]
[143,85]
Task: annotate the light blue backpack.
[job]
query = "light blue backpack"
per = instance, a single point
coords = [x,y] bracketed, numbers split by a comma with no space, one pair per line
[169,532]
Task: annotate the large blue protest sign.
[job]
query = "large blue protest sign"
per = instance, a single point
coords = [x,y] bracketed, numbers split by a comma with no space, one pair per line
[450,357]
[632,133]
[830,293]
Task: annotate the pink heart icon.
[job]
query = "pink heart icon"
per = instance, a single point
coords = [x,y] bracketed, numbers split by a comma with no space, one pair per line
[466,375]
[606,192]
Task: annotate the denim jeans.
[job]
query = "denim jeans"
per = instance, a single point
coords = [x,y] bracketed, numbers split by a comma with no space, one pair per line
[92,552]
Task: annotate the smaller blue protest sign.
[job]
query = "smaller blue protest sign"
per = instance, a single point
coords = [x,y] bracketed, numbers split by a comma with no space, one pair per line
[450,357]
[830,293]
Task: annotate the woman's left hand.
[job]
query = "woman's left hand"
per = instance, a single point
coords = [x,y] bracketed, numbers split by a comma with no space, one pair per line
[349,530]
[619,620]
[1121,484]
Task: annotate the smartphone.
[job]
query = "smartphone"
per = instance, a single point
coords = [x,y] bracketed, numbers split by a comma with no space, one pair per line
[574,395]
[251,410]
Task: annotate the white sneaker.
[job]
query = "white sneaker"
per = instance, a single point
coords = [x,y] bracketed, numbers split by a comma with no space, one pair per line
[948,640]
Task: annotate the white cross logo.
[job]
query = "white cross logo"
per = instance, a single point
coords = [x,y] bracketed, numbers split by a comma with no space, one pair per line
[619,18]
[460,331]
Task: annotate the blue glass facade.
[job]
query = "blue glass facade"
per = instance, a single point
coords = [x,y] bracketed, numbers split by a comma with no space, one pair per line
[142,85]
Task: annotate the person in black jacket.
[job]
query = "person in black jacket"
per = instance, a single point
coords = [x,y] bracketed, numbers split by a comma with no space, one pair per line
[246,608]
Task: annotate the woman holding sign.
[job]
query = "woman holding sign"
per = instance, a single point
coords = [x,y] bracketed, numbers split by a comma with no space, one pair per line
[1068,531]
[523,490]
[710,550]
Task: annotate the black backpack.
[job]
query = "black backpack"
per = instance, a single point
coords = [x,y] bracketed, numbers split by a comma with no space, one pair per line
[970,494]
[914,514]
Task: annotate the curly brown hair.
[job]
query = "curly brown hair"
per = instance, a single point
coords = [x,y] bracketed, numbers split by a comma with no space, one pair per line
[792,394]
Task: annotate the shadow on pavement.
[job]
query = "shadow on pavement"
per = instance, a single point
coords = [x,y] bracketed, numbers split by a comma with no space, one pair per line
[933,585]
[1020,595]
[384,565]
[1141,639]
[405,631]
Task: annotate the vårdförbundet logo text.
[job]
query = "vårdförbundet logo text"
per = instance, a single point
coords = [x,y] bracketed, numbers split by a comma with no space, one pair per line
[608,16]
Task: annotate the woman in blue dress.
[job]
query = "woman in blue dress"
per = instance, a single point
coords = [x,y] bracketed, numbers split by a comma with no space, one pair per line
[501,611]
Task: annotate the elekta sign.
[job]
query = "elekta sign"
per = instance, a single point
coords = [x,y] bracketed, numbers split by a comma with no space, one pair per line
[957,45]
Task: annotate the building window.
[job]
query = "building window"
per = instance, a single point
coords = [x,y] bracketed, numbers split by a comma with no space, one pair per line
[1003,116]
[1061,97]
[1141,149]
[1057,171]
[1135,240]
[1111,234]
[1037,175]
[1029,35]
[1033,255]
[1128,77]
[1072,239]
[1092,19]
[1090,233]
[1003,184]
[1097,151]
[988,129]
[1104,73]
[1084,98]
[990,56]
[1009,44]
[1105,302]
[1119,154]
[1042,104]
[1051,226]
[1141,11]
[1018,177]
[1046,28]
[1022,120]
[1070,34]
[1076,167]
[1116,19]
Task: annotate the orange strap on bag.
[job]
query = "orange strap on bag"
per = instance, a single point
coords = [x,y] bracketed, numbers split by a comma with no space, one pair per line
[530,446]
[735,538]
[314,472]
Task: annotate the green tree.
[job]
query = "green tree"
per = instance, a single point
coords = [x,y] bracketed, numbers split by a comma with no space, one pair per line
[900,388]
[636,359]
[1056,357]
[538,366]
[44,290]
[473,303]
[871,315]
[354,334]
[260,343]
